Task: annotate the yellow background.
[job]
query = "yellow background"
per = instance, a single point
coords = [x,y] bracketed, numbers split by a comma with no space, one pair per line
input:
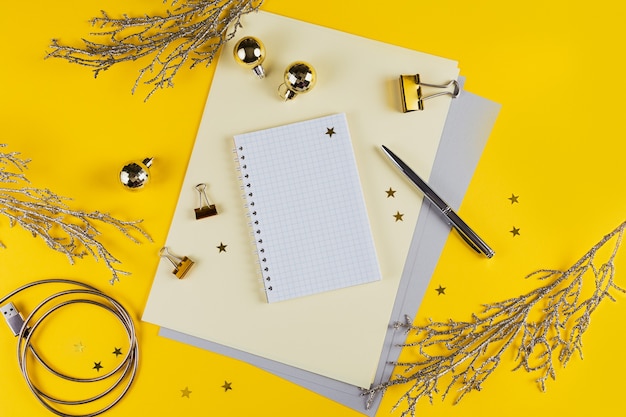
[558,144]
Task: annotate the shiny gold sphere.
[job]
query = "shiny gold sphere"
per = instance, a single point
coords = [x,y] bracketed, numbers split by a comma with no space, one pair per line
[249,52]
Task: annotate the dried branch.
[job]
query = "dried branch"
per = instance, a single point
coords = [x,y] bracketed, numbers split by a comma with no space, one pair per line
[462,355]
[194,31]
[44,214]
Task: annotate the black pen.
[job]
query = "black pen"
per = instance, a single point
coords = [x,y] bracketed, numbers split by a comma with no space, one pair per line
[472,239]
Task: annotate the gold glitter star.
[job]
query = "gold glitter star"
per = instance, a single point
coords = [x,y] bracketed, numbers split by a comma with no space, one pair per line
[441,290]
[222,247]
[185,392]
[398,216]
[515,231]
[330,131]
[227,386]
[391,193]
[97,366]
[514,198]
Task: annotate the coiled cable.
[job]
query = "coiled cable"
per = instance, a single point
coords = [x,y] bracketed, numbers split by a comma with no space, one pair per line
[123,375]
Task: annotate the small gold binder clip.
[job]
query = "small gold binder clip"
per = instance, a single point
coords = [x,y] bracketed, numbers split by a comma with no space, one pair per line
[411,88]
[206,209]
[181,265]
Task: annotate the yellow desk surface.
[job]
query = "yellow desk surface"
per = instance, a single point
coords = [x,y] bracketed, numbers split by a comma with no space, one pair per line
[558,144]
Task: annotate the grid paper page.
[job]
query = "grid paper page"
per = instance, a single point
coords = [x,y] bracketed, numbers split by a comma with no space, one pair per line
[307,209]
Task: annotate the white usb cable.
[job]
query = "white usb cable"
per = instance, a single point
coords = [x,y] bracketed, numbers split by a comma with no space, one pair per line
[123,375]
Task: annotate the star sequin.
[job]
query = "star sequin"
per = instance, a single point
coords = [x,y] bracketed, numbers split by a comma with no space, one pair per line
[515,231]
[398,216]
[185,392]
[117,352]
[514,198]
[441,290]
[391,193]
[227,386]
[97,366]
[330,131]
[222,247]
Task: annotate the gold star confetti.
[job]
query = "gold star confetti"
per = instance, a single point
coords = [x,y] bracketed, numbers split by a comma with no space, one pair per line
[185,392]
[227,386]
[441,290]
[79,347]
[222,247]
[398,216]
[97,366]
[117,352]
[514,198]
[391,193]
[515,231]
[330,131]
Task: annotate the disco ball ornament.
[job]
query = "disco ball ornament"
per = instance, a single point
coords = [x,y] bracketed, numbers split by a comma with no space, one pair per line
[299,78]
[135,175]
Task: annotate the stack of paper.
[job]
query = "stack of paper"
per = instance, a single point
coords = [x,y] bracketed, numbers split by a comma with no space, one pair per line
[337,341]
[338,334]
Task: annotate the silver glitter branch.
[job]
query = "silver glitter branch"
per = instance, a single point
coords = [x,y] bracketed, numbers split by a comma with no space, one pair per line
[44,214]
[541,327]
[192,32]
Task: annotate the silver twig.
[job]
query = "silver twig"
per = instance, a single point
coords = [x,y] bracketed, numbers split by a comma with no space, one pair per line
[541,327]
[44,214]
[192,32]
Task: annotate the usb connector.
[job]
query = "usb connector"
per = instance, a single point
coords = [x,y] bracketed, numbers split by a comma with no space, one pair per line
[13,317]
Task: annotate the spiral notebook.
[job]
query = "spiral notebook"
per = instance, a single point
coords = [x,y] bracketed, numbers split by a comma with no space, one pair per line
[306,207]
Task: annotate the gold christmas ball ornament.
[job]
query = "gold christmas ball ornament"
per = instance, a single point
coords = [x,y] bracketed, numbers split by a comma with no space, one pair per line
[249,52]
[135,175]
[300,77]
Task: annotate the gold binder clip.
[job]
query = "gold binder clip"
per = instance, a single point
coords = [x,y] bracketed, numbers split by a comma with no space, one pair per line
[411,88]
[206,209]
[181,265]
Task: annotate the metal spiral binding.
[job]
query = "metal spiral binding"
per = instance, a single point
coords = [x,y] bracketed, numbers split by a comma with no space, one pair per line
[253,223]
